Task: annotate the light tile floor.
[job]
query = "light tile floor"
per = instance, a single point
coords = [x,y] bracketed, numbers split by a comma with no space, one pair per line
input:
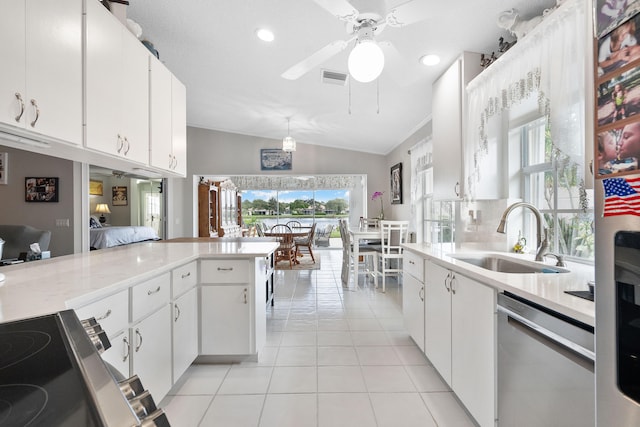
[335,356]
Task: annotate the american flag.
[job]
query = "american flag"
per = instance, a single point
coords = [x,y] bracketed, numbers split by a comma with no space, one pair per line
[621,196]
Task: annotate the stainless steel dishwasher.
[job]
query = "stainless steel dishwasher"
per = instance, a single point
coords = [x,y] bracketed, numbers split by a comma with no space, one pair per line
[545,367]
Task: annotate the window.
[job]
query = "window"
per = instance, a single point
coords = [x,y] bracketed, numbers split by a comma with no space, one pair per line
[555,191]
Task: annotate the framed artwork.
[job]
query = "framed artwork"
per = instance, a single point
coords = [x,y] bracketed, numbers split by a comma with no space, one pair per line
[396,184]
[4,158]
[41,189]
[119,196]
[619,47]
[618,149]
[275,159]
[611,13]
[95,188]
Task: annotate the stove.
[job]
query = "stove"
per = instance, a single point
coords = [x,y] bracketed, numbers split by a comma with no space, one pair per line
[51,374]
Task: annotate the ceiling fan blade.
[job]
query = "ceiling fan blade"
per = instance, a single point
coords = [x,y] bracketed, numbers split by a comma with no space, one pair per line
[403,72]
[317,58]
[408,13]
[341,9]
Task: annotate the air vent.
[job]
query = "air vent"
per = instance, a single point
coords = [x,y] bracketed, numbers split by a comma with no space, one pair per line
[333,77]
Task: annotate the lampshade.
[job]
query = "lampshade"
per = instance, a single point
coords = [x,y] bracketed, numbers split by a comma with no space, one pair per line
[288,143]
[102,208]
[366,61]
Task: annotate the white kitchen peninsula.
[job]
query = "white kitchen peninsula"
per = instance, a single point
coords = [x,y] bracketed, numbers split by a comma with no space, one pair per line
[146,297]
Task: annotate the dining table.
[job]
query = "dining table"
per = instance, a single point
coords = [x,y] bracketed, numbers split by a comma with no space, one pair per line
[359,234]
[296,232]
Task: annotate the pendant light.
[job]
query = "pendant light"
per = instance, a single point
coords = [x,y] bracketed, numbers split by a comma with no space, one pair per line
[366,60]
[288,142]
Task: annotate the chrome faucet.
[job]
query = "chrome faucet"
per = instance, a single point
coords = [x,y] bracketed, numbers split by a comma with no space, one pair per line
[541,231]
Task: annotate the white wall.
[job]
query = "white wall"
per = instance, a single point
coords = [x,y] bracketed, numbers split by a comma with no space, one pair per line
[15,210]
[212,152]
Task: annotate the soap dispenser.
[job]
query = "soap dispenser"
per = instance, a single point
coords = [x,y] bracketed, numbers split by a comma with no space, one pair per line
[521,244]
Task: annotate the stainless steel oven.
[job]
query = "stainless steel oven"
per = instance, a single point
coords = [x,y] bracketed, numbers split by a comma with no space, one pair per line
[51,374]
[545,367]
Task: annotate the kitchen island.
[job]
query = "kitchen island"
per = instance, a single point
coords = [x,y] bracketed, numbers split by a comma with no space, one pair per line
[161,304]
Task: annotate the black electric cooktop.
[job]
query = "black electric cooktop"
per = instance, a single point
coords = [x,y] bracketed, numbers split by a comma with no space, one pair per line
[39,383]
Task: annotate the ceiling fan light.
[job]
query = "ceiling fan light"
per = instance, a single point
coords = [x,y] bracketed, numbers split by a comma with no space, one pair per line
[265,35]
[366,61]
[430,60]
[288,144]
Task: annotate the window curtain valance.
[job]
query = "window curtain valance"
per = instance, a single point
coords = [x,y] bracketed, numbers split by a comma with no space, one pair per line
[315,182]
[550,62]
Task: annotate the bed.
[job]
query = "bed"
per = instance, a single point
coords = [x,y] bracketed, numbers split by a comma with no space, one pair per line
[106,237]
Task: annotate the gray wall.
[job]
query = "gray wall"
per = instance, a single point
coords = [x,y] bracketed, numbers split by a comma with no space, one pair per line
[15,210]
[219,153]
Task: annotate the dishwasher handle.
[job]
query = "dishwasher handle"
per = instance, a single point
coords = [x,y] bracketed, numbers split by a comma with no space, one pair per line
[549,335]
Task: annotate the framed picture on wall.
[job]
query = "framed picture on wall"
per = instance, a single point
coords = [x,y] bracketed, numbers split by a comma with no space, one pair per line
[119,196]
[4,157]
[41,189]
[95,188]
[275,159]
[396,184]
[619,48]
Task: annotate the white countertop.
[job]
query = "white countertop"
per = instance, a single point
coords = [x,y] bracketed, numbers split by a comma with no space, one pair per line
[544,289]
[41,287]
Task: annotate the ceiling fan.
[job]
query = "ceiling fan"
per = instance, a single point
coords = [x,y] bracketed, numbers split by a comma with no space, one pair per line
[367,59]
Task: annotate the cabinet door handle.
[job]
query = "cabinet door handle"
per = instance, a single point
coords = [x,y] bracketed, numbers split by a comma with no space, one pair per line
[184,276]
[119,144]
[153,291]
[139,335]
[177,309]
[128,353]
[126,151]
[19,98]
[35,105]
[456,189]
[453,280]
[225,268]
[421,294]
[591,166]
[446,279]
[245,295]
[104,316]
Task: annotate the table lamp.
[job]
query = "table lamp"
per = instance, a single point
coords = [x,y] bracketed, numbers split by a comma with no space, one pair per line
[102,208]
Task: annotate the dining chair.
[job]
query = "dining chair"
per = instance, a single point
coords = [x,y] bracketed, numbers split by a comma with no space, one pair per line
[369,222]
[323,236]
[392,235]
[306,242]
[259,230]
[294,224]
[286,247]
[365,252]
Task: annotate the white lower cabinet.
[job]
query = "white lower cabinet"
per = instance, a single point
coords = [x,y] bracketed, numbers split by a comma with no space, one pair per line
[226,319]
[460,338]
[185,332]
[232,306]
[413,308]
[151,352]
[120,352]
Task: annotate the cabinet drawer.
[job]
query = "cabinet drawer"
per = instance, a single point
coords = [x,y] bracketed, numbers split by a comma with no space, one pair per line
[184,278]
[111,312]
[225,271]
[414,265]
[149,296]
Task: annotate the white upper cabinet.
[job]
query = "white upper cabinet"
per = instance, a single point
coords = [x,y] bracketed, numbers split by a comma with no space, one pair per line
[168,120]
[448,118]
[41,76]
[117,87]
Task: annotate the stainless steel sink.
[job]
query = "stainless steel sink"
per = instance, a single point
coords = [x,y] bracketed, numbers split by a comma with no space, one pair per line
[504,264]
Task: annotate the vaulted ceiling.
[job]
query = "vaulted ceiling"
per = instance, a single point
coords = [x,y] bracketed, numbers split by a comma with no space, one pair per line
[234,81]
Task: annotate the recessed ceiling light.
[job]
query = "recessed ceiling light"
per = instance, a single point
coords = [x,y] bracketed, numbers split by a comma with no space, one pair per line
[265,35]
[430,59]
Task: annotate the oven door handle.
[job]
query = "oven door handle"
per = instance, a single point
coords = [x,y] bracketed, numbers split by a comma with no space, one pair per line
[549,335]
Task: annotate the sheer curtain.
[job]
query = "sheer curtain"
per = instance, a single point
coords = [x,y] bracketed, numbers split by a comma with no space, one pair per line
[549,62]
